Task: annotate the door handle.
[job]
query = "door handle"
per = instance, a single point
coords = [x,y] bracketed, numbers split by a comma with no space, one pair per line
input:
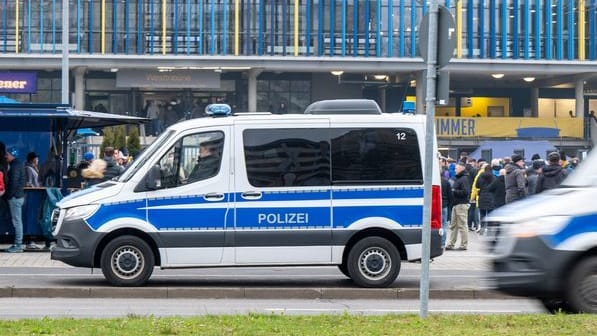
[213,197]
[251,195]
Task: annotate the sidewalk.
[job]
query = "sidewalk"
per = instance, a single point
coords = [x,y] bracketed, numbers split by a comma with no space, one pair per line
[454,275]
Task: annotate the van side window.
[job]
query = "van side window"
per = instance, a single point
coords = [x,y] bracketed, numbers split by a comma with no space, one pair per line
[287,157]
[375,156]
[193,158]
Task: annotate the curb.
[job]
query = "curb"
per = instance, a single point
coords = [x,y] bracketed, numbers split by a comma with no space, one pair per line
[251,293]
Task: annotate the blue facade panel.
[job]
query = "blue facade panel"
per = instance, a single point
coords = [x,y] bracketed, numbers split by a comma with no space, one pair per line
[361,28]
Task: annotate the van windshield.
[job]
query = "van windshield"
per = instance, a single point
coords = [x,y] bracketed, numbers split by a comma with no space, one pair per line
[144,156]
[585,174]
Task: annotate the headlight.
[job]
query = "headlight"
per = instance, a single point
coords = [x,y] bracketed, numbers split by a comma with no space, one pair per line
[539,226]
[82,211]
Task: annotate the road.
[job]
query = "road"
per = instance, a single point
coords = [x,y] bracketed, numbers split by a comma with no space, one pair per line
[17,308]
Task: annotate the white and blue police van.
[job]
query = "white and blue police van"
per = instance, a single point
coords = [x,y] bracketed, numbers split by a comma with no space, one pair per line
[545,246]
[339,185]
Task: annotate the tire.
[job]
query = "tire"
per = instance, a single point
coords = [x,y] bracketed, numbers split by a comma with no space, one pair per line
[582,286]
[555,306]
[127,261]
[373,262]
[344,269]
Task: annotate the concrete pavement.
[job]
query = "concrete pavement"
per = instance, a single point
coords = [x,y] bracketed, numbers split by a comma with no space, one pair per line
[454,275]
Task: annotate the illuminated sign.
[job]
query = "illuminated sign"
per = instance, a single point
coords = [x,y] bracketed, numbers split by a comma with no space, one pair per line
[18,82]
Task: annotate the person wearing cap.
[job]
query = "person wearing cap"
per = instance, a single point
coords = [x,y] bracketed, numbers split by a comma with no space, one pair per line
[15,195]
[516,180]
[460,196]
[553,174]
[533,173]
[87,159]
[32,170]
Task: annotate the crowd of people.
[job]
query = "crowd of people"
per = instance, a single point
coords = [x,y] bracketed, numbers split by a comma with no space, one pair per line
[111,165]
[16,176]
[472,188]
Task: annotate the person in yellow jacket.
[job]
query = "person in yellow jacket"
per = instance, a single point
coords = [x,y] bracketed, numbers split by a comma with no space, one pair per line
[474,199]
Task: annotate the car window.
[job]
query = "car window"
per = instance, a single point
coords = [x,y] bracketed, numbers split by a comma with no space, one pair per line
[193,158]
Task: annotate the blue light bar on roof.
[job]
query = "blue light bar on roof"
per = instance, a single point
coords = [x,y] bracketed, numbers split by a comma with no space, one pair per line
[218,110]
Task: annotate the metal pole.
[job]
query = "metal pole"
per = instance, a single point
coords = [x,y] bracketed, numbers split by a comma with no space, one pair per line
[65,46]
[429,155]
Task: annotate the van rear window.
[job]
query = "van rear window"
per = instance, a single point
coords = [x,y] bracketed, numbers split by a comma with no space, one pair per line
[375,156]
[320,157]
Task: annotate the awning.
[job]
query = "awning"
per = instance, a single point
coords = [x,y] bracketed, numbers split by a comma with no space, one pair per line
[54,117]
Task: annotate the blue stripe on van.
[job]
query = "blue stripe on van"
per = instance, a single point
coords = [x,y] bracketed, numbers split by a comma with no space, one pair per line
[297,195]
[404,215]
[110,211]
[577,225]
[378,193]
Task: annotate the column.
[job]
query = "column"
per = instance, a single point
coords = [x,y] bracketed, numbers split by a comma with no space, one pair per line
[252,88]
[580,99]
[382,98]
[420,91]
[535,102]
[80,88]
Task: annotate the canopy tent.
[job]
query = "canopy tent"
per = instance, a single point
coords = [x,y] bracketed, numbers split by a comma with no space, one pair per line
[498,149]
[52,117]
[47,128]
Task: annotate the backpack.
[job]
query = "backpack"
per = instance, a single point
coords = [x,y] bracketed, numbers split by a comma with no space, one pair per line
[2,186]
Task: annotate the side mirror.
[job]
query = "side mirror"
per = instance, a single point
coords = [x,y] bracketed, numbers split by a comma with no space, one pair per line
[153,180]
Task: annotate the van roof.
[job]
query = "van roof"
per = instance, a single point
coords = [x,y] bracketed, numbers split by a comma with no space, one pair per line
[258,118]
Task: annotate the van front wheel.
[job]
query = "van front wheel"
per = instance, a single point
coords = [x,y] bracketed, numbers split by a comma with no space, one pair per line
[127,261]
[373,262]
[582,287]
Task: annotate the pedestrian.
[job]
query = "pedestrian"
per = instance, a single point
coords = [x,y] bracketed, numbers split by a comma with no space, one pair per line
[485,198]
[458,223]
[446,207]
[516,181]
[86,161]
[472,168]
[498,189]
[112,168]
[95,173]
[32,170]
[553,174]
[533,174]
[15,195]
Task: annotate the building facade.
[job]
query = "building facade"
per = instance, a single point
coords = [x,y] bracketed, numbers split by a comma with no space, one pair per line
[516,62]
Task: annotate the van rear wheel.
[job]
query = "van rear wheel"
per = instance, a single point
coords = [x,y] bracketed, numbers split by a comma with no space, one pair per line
[373,262]
[127,261]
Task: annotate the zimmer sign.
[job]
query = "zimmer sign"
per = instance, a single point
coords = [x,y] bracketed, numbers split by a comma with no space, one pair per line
[492,127]
[18,82]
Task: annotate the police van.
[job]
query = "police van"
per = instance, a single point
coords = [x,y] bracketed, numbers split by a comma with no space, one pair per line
[339,185]
[546,245]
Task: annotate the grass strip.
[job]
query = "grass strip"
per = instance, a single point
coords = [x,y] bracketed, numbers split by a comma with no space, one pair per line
[321,325]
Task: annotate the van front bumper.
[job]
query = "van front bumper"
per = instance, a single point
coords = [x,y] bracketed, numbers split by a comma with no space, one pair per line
[532,269]
[76,244]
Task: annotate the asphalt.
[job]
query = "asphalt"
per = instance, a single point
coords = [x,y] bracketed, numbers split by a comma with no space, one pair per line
[454,275]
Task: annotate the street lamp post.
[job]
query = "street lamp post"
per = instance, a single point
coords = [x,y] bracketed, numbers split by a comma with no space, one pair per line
[65,46]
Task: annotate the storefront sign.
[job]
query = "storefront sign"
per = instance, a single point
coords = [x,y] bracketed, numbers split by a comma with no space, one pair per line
[172,79]
[456,127]
[18,82]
